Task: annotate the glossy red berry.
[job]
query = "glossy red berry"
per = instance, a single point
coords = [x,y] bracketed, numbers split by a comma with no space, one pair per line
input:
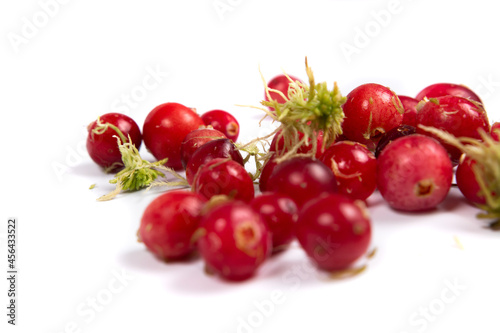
[495,131]
[224,176]
[302,178]
[355,168]
[220,148]
[335,231]
[455,115]
[235,241]
[169,222]
[279,212]
[370,111]
[410,107]
[195,140]
[165,128]
[224,122]
[467,181]
[280,83]
[444,89]
[102,144]
[278,144]
[414,173]
[266,171]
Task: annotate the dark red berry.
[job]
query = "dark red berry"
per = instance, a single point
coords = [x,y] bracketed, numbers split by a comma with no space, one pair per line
[444,89]
[370,111]
[220,148]
[392,135]
[169,222]
[224,176]
[235,241]
[467,181]
[410,106]
[278,144]
[165,128]
[266,171]
[195,140]
[224,122]
[102,144]
[302,178]
[334,231]
[455,115]
[279,212]
[280,83]
[355,168]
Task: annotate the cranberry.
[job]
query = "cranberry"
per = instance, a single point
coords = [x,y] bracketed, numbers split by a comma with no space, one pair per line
[410,106]
[278,144]
[195,140]
[334,231]
[235,241]
[455,115]
[302,178]
[495,131]
[165,128]
[220,148]
[102,144]
[467,181]
[355,168]
[392,135]
[224,176]
[169,222]
[279,212]
[370,111]
[414,173]
[444,89]
[280,83]
[266,171]
[224,122]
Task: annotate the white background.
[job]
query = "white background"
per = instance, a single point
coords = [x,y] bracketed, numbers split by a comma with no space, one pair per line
[81,60]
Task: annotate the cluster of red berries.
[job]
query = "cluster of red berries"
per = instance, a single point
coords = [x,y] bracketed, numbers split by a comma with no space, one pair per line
[317,200]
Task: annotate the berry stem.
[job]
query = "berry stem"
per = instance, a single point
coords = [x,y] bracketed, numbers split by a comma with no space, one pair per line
[138,173]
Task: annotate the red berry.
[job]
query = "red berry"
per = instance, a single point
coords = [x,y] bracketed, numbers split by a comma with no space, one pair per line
[266,171]
[334,231]
[410,106]
[455,115]
[235,241]
[224,176]
[280,83]
[279,212]
[302,178]
[102,144]
[444,89]
[169,222]
[224,122]
[495,131]
[392,135]
[278,144]
[467,181]
[165,128]
[195,140]
[220,148]
[355,168]
[370,111]
[414,173]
